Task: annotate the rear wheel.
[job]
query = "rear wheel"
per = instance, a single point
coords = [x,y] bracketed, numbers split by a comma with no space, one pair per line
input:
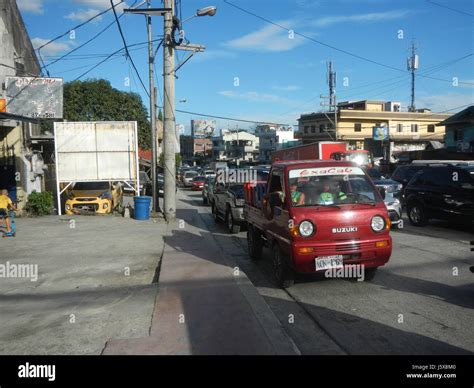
[283,274]
[417,214]
[215,213]
[231,225]
[254,243]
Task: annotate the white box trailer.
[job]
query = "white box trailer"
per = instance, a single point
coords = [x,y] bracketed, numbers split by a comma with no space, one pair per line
[96,151]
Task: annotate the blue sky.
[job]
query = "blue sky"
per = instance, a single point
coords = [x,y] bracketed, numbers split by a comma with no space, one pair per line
[277,77]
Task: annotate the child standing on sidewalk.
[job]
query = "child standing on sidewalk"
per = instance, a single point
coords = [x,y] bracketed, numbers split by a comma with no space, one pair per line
[6,204]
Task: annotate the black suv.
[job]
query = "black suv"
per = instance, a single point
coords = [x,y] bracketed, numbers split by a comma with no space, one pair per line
[404,173]
[441,192]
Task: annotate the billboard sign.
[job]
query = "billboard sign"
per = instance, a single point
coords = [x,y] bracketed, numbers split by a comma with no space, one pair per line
[96,151]
[380,133]
[203,128]
[34,97]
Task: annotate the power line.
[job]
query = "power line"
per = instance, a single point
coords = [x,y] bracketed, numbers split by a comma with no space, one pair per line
[452,9]
[78,26]
[126,49]
[82,45]
[328,45]
[230,118]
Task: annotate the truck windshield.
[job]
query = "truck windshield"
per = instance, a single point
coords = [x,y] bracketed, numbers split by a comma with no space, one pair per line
[331,186]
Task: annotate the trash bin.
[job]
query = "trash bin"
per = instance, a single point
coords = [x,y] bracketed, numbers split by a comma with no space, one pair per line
[142,207]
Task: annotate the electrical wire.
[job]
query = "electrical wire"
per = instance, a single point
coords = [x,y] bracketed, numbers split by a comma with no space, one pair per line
[452,9]
[79,25]
[129,57]
[328,45]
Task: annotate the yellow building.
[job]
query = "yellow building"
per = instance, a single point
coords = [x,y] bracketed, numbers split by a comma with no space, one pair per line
[355,121]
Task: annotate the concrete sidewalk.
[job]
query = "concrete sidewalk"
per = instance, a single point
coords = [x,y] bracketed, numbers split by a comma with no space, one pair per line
[95,282]
[205,305]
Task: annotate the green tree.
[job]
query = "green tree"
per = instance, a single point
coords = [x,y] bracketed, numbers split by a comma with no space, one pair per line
[97,100]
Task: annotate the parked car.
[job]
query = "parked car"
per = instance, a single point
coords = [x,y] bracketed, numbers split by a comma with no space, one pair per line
[228,205]
[391,186]
[207,190]
[144,183]
[94,197]
[403,174]
[198,182]
[160,184]
[188,178]
[207,173]
[394,209]
[441,192]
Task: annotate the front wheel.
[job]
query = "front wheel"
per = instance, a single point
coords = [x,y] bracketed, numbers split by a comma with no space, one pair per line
[417,214]
[369,274]
[204,200]
[215,213]
[231,225]
[283,274]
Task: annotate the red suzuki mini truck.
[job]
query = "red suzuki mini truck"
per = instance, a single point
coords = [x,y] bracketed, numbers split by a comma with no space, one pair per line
[318,217]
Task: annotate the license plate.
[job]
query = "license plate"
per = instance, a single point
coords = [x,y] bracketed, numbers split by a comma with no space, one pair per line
[328,262]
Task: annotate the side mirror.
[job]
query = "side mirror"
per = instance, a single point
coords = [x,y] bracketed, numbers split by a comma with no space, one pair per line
[382,192]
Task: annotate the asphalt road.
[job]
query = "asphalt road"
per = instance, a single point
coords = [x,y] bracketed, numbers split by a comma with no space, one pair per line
[421,302]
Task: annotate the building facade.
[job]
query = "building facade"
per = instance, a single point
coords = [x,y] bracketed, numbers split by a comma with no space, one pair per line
[236,146]
[26,152]
[460,131]
[271,138]
[194,149]
[354,123]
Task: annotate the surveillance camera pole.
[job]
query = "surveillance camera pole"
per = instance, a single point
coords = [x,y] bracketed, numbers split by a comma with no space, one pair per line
[169,123]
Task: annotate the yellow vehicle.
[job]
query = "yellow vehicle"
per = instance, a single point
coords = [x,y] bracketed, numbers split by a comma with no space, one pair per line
[94,197]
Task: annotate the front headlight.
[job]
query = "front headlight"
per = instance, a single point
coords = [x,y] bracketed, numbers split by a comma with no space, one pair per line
[68,207]
[377,224]
[106,205]
[306,228]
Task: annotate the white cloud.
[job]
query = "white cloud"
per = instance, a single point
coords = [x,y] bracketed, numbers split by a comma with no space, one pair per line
[360,18]
[50,49]
[286,88]
[33,6]
[257,97]
[212,55]
[444,102]
[84,15]
[269,38]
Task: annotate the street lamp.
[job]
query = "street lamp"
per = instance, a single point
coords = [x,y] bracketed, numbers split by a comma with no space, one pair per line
[206,11]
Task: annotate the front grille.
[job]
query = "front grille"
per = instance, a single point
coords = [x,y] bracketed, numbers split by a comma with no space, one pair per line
[90,206]
[85,199]
[343,247]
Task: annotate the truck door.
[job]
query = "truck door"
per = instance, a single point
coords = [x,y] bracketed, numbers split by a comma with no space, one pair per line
[277,214]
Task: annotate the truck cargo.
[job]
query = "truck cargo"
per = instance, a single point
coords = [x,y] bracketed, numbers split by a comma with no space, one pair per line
[317,216]
[323,150]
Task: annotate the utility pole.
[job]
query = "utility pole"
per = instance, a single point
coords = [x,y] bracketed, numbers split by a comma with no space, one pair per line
[412,65]
[154,156]
[332,104]
[169,124]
